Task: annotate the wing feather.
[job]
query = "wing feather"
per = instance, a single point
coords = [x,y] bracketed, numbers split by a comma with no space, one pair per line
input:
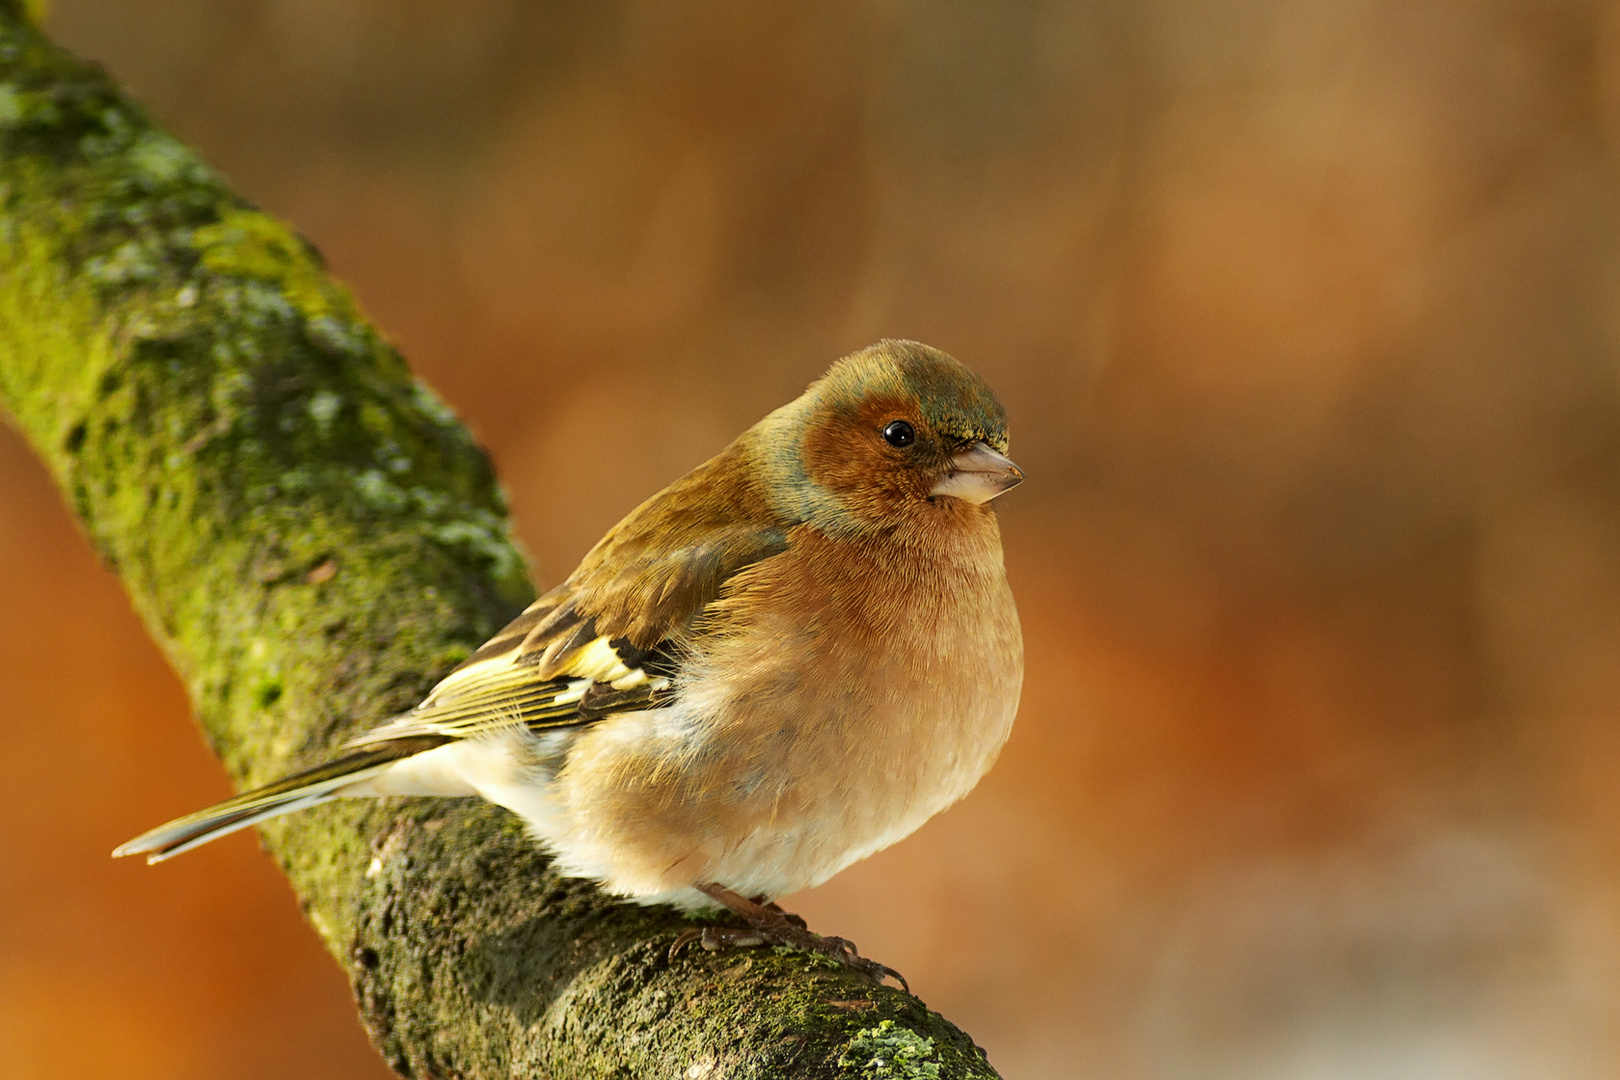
[500,692]
[612,637]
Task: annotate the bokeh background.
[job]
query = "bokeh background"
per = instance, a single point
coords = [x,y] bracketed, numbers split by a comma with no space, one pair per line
[1307,316]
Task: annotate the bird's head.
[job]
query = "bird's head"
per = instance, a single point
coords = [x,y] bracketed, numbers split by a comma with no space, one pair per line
[886,433]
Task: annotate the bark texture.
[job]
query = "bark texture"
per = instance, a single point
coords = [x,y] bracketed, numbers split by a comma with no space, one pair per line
[314,539]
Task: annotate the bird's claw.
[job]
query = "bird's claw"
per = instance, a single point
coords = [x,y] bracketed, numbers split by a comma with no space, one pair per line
[849,957]
[777,927]
[717,939]
[796,920]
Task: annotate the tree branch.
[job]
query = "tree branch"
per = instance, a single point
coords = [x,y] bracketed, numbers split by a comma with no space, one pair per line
[314,539]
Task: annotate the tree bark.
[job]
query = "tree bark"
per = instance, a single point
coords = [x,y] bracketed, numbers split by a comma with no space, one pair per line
[314,540]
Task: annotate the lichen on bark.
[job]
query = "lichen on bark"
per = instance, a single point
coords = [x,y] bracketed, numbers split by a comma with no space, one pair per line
[314,538]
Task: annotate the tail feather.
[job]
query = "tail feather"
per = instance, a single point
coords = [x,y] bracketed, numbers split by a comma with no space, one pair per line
[285,796]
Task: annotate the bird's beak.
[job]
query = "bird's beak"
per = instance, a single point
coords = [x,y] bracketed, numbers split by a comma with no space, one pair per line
[978,474]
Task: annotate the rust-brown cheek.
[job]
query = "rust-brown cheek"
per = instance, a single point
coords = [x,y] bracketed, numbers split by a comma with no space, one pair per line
[844,452]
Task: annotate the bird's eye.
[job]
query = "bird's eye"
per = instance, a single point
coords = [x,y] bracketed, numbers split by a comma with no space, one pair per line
[899,433]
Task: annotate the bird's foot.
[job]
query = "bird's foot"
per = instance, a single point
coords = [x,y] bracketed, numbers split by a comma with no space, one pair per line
[768,924]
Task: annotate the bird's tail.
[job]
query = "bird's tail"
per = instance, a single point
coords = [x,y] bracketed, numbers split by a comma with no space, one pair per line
[308,788]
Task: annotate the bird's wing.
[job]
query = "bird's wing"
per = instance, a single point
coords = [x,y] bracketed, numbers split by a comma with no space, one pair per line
[611,639]
[502,691]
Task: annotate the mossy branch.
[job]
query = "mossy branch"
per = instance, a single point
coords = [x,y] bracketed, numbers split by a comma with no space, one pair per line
[314,539]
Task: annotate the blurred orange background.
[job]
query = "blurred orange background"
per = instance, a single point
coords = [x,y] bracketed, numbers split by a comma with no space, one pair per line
[1307,317]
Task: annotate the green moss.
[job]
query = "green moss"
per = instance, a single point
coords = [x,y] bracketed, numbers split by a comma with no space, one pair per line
[890,1052]
[249,244]
[811,961]
[160,159]
[12,106]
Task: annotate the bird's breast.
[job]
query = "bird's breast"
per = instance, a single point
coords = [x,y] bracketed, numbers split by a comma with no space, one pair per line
[853,692]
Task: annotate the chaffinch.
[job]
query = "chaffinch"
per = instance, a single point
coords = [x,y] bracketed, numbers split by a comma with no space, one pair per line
[788,659]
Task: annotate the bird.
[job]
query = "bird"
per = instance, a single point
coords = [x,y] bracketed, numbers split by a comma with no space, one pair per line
[785,661]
